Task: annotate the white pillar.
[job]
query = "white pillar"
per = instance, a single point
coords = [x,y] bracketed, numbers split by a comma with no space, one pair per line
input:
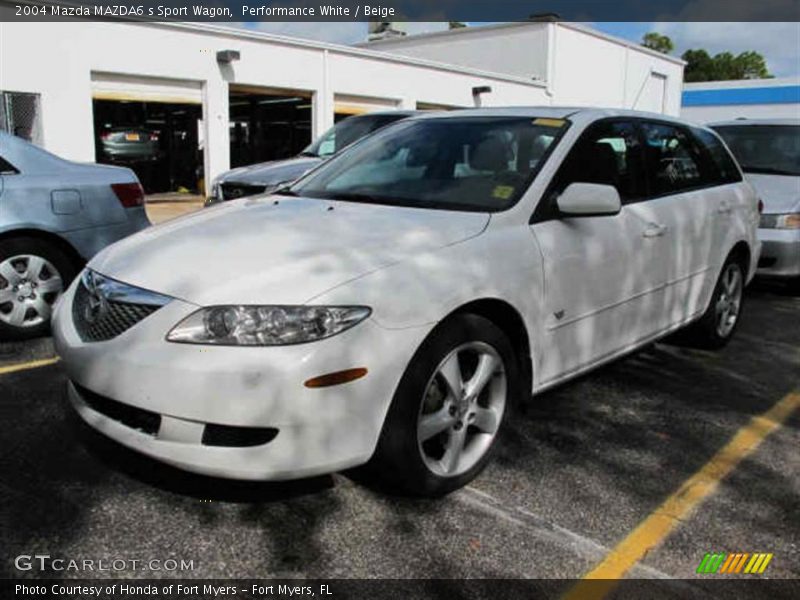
[322,102]
[217,155]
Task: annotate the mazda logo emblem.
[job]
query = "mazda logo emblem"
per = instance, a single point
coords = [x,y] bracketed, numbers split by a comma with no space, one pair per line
[97,307]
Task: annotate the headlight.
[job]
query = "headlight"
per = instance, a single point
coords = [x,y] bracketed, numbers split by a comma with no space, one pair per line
[790,221]
[265,325]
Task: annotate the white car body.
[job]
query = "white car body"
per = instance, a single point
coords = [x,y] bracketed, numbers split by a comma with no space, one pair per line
[585,291]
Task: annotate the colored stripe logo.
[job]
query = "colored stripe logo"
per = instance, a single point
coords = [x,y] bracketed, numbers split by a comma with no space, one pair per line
[734,563]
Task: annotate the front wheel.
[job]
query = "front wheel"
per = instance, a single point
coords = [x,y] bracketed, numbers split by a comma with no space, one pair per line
[449,408]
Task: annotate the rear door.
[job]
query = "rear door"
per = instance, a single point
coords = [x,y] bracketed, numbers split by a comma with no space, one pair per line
[684,205]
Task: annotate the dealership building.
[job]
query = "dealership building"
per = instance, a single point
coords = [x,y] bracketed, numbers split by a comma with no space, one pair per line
[212,98]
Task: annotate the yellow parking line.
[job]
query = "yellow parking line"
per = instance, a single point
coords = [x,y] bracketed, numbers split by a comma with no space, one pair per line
[694,490]
[34,364]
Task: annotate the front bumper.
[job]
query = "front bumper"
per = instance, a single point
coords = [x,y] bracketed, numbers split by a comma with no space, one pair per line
[780,253]
[319,430]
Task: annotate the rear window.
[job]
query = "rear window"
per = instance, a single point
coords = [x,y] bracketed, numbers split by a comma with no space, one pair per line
[768,149]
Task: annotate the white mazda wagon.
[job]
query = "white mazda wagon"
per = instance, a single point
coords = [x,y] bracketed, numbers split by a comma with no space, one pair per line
[394,304]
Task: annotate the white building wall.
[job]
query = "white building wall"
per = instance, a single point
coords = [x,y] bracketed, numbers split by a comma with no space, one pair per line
[476,47]
[581,66]
[61,57]
[709,114]
[780,99]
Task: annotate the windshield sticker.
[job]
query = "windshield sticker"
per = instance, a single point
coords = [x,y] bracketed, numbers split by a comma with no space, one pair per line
[503,192]
[549,122]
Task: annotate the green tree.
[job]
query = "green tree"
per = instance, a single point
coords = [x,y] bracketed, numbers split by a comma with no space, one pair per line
[725,66]
[659,43]
[701,66]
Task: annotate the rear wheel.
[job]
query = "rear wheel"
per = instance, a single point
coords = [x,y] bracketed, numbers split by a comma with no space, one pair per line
[715,328]
[33,274]
[449,408]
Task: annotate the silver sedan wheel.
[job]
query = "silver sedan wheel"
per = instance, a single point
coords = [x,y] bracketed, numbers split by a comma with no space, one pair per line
[29,285]
[462,409]
[729,302]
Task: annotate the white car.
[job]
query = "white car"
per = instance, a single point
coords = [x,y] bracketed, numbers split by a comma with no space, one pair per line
[769,152]
[393,305]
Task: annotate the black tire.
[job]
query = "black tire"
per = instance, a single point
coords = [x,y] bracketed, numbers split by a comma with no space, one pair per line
[705,332]
[398,461]
[65,268]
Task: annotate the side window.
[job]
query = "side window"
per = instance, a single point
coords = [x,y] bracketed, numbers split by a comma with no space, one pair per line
[673,160]
[722,164]
[607,153]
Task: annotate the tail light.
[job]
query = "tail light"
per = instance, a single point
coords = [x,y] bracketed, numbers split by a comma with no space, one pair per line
[153,137]
[130,194]
[105,136]
[760,206]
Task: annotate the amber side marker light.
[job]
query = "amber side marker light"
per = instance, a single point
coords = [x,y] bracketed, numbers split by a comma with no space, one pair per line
[336,378]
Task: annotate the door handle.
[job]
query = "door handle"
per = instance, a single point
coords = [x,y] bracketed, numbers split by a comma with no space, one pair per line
[724,208]
[654,230]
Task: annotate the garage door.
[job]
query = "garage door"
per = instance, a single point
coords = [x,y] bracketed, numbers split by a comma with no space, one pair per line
[113,86]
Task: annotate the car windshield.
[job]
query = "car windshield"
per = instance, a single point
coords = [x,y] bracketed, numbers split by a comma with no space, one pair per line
[455,163]
[770,149]
[346,132]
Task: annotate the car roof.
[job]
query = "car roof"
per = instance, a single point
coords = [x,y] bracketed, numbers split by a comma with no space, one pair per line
[388,113]
[581,113]
[742,121]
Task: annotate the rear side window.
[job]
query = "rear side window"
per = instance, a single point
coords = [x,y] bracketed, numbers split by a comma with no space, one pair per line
[723,168]
[674,162]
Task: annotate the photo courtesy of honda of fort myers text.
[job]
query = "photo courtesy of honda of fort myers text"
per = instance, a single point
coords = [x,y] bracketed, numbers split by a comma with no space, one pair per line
[405,299]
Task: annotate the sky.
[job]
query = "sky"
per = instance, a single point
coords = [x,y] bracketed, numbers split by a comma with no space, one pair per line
[778,42]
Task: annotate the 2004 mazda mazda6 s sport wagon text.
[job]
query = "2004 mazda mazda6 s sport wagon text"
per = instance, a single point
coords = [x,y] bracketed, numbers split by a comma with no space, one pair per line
[392,305]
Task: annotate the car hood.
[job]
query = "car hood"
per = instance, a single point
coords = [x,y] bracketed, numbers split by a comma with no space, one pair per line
[780,193]
[271,173]
[278,250]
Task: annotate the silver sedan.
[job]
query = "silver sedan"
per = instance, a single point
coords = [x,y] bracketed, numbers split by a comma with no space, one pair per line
[54,216]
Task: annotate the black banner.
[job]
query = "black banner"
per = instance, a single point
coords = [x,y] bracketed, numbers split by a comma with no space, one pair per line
[404,10]
[386,589]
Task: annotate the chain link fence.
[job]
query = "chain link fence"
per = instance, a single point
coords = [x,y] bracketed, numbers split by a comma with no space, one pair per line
[20,115]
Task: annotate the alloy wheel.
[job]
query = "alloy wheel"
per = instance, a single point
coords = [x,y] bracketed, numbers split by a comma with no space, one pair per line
[462,408]
[730,299]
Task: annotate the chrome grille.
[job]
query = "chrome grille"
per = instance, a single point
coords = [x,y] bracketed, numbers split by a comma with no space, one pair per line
[103,308]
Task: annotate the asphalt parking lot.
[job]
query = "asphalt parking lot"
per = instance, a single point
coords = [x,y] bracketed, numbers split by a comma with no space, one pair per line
[579,470]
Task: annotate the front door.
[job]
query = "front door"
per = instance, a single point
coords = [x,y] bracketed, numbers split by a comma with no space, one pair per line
[602,273]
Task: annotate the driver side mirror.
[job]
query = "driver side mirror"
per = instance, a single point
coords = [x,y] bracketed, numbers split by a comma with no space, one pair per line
[589,200]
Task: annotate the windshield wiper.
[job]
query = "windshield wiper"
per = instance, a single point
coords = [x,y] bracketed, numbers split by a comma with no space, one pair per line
[309,153]
[768,171]
[285,192]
